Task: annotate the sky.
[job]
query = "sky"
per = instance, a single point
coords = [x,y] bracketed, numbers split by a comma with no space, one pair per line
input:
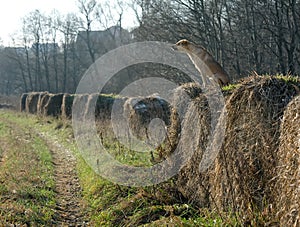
[12,12]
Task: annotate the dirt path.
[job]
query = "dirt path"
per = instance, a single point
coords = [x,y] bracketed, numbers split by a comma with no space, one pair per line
[69,208]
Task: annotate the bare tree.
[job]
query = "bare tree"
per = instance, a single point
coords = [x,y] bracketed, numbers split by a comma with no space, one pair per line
[69,28]
[87,9]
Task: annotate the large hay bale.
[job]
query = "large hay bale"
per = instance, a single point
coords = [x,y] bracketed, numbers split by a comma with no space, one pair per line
[43,102]
[238,180]
[80,102]
[31,102]
[91,105]
[140,111]
[23,101]
[287,185]
[66,106]
[53,106]
[181,98]
[104,106]
[40,105]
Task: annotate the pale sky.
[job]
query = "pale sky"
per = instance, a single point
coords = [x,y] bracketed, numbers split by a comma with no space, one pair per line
[12,12]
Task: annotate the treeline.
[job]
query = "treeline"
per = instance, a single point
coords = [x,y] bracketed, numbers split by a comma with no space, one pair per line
[244,35]
[53,51]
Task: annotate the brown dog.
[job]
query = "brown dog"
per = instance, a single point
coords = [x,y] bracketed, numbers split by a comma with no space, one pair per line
[203,61]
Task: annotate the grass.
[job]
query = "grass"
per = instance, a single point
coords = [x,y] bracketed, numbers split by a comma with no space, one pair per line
[108,204]
[26,177]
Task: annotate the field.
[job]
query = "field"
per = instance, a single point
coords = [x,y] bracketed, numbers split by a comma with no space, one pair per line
[45,181]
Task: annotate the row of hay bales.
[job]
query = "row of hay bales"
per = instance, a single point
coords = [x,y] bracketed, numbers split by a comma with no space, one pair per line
[139,110]
[257,169]
[42,103]
[47,104]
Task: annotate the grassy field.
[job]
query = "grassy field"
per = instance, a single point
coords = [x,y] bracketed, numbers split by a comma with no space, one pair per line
[29,194]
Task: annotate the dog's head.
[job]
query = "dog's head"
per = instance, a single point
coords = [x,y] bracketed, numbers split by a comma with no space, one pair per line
[182,45]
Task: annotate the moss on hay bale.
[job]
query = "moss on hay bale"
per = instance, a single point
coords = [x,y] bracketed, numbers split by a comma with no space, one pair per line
[23,101]
[66,106]
[31,102]
[287,185]
[53,106]
[239,178]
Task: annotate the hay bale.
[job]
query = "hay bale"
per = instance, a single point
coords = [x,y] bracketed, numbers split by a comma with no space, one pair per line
[181,98]
[238,180]
[23,102]
[287,187]
[39,104]
[183,95]
[91,105]
[31,102]
[104,106]
[80,102]
[43,102]
[53,106]
[66,106]
[140,111]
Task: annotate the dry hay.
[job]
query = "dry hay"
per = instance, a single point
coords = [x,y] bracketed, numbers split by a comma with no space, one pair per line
[239,178]
[99,106]
[140,111]
[31,102]
[40,105]
[287,186]
[89,112]
[104,106]
[66,106]
[53,106]
[181,97]
[43,102]
[80,101]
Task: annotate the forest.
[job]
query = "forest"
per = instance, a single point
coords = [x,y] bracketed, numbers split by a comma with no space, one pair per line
[52,52]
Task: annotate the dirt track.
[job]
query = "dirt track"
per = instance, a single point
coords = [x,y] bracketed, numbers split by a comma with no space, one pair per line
[69,207]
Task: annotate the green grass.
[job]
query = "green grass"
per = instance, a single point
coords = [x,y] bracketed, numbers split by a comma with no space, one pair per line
[114,205]
[26,176]
[230,87]
[108,204]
